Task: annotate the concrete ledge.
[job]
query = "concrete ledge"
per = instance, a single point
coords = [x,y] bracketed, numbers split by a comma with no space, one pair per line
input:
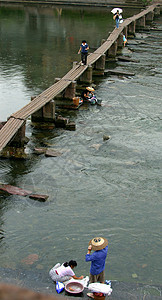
[94,3]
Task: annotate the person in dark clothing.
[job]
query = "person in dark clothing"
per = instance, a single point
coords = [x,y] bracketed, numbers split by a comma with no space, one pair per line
[116,18]
[87,94]
[84,52]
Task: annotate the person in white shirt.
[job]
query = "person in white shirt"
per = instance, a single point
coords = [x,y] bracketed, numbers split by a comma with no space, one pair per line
[64,272]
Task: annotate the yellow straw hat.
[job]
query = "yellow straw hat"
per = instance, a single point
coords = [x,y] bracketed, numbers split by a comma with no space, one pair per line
[90,89]
[98,243]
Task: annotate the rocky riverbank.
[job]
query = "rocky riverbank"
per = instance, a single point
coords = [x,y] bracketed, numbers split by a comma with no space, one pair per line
[41,283]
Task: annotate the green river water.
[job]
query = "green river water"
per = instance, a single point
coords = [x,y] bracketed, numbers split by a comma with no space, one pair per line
[96,188]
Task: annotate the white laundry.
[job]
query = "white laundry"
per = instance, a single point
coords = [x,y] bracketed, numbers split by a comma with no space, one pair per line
[98,287]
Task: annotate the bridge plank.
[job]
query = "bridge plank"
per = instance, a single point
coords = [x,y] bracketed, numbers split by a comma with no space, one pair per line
[9,130]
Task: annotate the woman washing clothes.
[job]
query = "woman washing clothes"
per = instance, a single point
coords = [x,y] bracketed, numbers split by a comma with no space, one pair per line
[87,95]
[64,272]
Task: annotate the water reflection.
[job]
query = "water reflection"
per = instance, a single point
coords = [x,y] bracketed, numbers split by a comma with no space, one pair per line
[39,44]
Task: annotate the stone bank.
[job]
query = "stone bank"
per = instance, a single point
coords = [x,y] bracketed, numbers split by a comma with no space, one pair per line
[95,3]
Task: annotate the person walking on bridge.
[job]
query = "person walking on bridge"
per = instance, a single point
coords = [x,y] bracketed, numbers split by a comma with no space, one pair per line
[84,52]
[116,18]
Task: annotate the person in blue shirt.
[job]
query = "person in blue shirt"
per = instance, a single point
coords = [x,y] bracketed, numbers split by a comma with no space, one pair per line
[84,52]
[97,258]
[116,18]
[124,40]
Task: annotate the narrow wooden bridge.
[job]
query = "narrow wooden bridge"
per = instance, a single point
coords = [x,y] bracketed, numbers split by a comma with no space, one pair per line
[15,126]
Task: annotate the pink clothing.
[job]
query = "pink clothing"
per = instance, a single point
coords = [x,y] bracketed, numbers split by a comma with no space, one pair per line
[65,271]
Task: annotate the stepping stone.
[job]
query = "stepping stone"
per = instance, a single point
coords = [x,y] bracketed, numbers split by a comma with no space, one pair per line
[117,72]
[127,58]
[71,126]
[52,153]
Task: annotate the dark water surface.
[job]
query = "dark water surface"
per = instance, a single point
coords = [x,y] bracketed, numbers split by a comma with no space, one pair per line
[109,188]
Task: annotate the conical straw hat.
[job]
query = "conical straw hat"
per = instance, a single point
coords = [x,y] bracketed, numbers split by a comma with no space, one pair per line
[98,243]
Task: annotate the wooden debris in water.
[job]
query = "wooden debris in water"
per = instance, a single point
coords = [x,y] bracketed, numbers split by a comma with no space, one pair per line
[127,59]
[38,197]
[13,190]
[119,72]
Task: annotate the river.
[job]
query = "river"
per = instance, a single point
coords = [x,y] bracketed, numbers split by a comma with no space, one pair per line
[96,188]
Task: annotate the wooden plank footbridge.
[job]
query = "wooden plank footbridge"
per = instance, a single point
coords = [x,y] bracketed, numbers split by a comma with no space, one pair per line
[43,105]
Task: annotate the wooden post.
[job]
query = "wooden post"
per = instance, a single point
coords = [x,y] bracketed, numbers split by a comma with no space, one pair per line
[49,111]
[70,91]
[19,138]
[120,41]
[112,50]
[150,17]
[100,64]
[87,75]
[141,22]
[131,28]
[38,115]
[58,96]
[45,114]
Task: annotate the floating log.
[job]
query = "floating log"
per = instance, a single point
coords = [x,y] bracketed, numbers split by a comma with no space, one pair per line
[127,58]
[117,72]
[38,197]
[13,190]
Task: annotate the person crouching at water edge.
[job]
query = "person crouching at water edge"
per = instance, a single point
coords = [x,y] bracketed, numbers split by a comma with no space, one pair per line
[87,94]
[97,258]
[64,272]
